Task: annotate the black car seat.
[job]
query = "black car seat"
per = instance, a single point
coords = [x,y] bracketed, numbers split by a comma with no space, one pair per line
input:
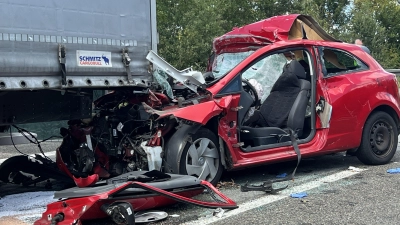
[306,68]
[283,110]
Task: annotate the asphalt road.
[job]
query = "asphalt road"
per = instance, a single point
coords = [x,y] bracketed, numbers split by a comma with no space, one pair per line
[336,195]
[47,146]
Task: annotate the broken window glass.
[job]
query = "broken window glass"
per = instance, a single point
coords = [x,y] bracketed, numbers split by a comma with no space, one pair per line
[227,61]
[162,79]
[264,73]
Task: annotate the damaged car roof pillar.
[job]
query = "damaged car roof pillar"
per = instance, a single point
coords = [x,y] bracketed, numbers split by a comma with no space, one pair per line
[190,78]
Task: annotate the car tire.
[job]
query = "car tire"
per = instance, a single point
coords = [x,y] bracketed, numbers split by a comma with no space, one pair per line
[379,139]
[13,167]
[201,157]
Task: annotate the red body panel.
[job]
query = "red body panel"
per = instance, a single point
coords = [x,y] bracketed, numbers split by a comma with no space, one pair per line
[79,181]
[88,208]
[263,32]
[76,210]
[199,113]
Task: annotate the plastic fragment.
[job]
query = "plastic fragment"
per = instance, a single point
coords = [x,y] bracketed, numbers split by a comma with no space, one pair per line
[355,169]
[299,195]
[174,215]
[281,175]
[394,171]
[219,212]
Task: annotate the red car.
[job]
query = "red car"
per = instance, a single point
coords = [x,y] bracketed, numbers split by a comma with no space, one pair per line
[271,86]
[332,95]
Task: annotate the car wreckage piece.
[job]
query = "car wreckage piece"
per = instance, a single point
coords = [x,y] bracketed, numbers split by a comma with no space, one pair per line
[120,197]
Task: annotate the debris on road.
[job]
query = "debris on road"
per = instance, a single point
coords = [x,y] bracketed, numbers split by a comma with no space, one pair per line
[150,216]
[394,171]
[299,195]
[219,212]
[281,175]
[227,184]
[174,215]
[355,169]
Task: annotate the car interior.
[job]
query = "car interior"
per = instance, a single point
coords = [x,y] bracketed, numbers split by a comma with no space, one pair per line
[284,109]
[338,62]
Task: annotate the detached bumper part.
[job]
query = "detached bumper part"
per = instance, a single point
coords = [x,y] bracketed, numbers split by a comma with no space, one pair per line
[120,198]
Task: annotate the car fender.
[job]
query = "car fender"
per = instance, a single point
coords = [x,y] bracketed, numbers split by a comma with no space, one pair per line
[377,100]
[199,113]
[175,146]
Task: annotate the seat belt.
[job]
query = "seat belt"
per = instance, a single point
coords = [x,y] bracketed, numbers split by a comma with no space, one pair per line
[266,186]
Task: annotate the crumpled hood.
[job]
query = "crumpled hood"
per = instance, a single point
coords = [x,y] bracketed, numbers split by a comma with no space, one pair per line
[264,32]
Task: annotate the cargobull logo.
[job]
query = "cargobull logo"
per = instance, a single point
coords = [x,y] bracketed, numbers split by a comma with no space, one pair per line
[93,58]
[106,60]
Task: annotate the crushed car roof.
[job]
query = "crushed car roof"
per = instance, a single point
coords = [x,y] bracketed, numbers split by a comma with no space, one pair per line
[277,28]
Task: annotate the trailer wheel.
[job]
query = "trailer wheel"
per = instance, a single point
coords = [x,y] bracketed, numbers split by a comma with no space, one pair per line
[201,157]
[15,170]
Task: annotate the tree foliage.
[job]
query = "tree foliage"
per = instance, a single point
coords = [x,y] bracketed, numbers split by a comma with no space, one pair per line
[187,27]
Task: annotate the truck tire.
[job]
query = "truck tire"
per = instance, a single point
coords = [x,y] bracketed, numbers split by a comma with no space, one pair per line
[379,139]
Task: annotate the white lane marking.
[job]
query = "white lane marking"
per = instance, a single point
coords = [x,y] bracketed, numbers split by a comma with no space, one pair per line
[48,154]
[273,198]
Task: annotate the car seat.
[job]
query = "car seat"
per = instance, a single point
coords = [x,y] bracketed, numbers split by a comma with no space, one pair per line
[283,110]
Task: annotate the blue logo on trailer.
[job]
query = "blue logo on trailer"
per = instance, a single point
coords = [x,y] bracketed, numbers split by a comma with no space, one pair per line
[94,58]
[106,60]
[90,60]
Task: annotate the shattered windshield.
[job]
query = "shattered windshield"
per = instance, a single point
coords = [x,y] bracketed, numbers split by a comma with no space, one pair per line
[162,79]
[227,61]
[263,74]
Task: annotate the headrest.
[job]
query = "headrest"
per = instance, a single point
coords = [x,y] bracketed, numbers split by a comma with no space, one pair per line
[290,76]
[305,65]
[296,68]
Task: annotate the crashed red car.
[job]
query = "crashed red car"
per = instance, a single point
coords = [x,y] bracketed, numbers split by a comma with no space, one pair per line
[273,87]
[339,99]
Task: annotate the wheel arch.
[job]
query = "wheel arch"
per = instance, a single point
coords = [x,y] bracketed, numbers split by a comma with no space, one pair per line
[384,108]
[175,145]
[224,152]
[387,109]
[385,151]
[177,142]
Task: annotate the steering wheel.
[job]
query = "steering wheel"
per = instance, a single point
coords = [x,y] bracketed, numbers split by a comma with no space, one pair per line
[252,91]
